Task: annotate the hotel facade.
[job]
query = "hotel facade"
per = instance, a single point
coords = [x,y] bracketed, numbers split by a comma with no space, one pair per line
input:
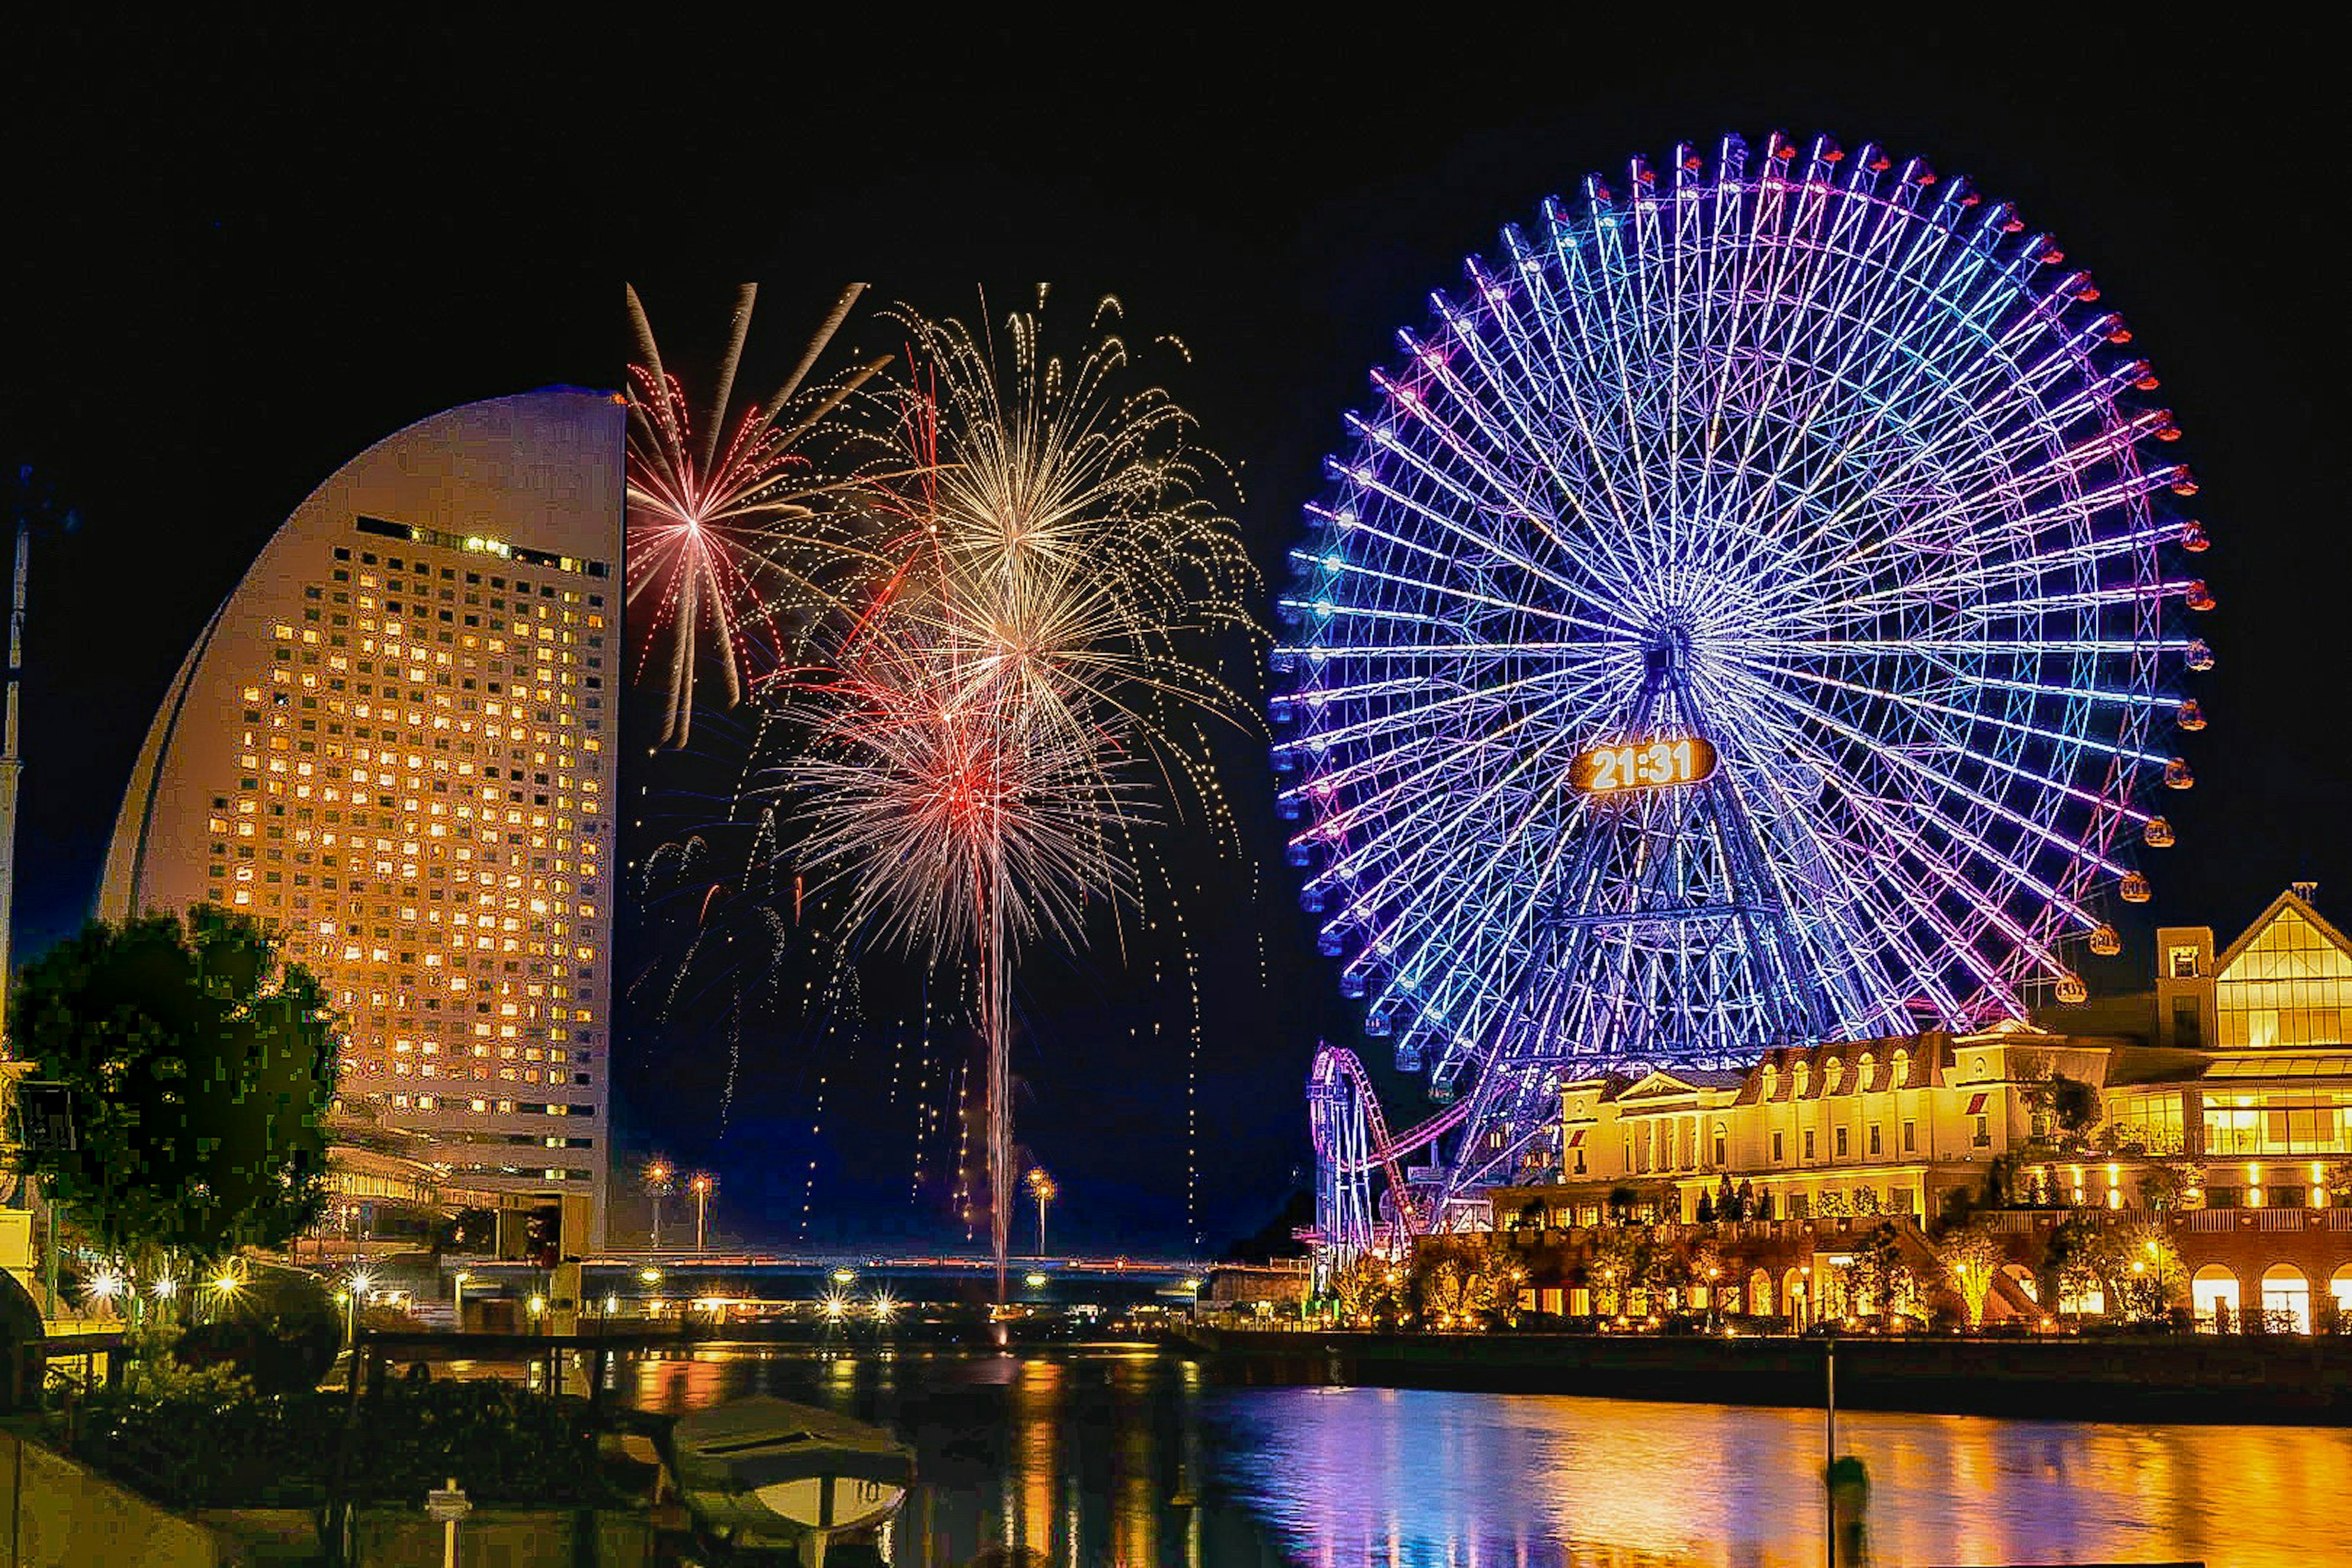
[395,744]
[2218,1106]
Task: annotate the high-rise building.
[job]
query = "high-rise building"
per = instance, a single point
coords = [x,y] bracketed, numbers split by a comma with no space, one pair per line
[396,744]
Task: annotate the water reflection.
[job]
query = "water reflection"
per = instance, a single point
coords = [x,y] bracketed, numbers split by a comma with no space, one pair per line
[1359,1476]
[1124,1457]
[1087,1458]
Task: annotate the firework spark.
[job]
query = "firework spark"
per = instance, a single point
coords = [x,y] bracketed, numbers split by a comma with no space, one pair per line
[997,721]
[726,527]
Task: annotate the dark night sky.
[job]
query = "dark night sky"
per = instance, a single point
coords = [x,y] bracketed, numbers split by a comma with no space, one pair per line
[233,261]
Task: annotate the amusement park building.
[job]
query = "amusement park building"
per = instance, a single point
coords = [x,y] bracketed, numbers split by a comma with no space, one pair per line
[394,743]
[2223,1098]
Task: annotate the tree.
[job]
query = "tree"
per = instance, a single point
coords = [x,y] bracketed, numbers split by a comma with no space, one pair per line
[1457,1292]
[2165,1184]
[2137,1269]
[199,1069]
[1365,1286]
[1705,1269]
[1972,1258]
[1877,1281]
[1623,1261]
[2339,1183]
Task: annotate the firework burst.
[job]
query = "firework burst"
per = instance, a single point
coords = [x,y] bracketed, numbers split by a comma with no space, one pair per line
[728,525]
[999,718]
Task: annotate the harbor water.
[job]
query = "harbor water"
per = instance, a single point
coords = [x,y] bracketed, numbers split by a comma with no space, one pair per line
[1127,1455]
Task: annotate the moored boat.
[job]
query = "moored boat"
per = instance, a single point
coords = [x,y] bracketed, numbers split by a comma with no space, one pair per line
[760,1475]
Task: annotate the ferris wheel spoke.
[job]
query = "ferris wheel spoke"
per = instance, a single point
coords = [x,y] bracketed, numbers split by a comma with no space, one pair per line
[1367,480]
[1903,839]
[1412,716]
[1871,312]
[1979,578]
[1347,568]
[1946,780]
[1974,403]
[1449,753]
[2009,491]
[1570,391]
[1495,379]
[1884,924]
[1914,701]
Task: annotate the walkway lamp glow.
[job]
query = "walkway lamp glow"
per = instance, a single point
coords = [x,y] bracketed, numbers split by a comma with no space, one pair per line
[223,1286]
[458,1280]
[105,1287]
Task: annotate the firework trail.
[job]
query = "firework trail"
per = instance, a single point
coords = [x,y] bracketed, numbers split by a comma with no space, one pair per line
[728,527]
[997,719]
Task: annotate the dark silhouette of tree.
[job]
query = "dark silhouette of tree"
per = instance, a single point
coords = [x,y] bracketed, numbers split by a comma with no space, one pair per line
[199,1069]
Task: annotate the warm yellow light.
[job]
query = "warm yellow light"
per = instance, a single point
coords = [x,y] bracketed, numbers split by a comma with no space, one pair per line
[650,1275]
[1035,1281]
[538,1305]
[844,1275]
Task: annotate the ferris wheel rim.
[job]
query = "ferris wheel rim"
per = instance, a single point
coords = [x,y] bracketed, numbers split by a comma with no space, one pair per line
[1384,605]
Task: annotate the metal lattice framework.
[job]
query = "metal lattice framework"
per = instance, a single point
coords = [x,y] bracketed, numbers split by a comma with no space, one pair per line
[1808,455]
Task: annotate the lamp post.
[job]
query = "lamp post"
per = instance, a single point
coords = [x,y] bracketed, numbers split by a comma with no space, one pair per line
[1042,1188]
[458,1312]
[661,1180]
[701,1186]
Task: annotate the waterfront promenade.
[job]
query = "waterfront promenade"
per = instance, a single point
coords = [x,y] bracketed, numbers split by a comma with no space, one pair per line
[2174,1378]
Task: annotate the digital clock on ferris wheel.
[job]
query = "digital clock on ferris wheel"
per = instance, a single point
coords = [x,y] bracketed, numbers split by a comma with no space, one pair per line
[1661,763]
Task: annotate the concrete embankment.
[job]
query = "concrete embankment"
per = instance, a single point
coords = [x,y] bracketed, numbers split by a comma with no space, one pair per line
[2189,1377]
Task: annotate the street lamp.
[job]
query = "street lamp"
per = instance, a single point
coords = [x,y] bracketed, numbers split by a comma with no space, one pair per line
[224,1286]
[1193,1289]
[1042,1188]
[661,1180]
[701,1186]
[362,1283]
[459,1280]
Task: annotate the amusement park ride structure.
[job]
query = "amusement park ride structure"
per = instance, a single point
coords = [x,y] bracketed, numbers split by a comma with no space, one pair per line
[1751,616]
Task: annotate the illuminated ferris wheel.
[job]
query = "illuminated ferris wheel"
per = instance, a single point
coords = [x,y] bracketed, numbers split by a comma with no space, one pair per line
[1751,615]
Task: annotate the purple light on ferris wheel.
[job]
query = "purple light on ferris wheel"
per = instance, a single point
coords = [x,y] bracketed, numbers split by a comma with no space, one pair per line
[1819,459]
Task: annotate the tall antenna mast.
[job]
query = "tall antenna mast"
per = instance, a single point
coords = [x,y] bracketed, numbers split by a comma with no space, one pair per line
[12,765]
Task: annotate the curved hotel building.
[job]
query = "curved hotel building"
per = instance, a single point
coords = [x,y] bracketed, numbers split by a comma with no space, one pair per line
[396,743]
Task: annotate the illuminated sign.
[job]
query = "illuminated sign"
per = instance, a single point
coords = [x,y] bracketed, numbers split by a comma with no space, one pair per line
[1656,764]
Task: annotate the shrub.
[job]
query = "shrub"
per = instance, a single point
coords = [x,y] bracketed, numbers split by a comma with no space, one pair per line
[193,1444]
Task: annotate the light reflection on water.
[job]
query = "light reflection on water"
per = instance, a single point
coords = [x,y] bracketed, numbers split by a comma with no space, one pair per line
[1123,1458]
[1358,1476]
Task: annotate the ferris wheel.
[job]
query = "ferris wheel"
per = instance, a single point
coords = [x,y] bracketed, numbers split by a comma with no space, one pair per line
[1753,613]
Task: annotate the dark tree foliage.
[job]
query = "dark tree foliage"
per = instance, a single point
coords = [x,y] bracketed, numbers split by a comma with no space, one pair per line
[200,1069]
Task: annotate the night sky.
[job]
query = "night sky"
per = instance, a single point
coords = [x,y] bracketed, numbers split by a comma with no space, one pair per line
[234,262]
